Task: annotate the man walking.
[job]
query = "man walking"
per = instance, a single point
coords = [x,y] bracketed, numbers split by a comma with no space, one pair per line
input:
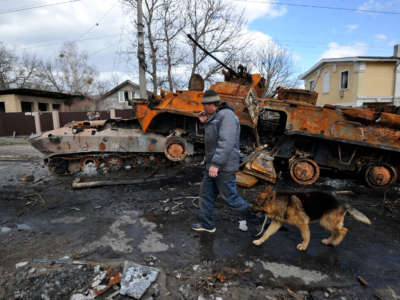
[222,134]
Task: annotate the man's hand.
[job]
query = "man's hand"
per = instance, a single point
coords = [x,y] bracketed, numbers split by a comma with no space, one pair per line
[203,116]
[213,171]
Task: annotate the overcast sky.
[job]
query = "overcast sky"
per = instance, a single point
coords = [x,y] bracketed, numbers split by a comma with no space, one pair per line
[309,29]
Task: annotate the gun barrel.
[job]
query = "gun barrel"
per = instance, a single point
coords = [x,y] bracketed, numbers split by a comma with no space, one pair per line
[208,53]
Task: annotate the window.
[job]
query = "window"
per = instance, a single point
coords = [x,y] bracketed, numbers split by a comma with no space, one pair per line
[344,80]
[121,96]
[56,106]
[312,85]
[42,106]
[26,106]
[326,82]
[124,96]
[2,107]
[127,94]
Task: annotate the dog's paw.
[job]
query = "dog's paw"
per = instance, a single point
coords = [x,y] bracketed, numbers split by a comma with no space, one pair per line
[257,242]
[301,247]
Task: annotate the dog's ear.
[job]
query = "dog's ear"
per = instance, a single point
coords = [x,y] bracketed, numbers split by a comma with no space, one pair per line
[263,196]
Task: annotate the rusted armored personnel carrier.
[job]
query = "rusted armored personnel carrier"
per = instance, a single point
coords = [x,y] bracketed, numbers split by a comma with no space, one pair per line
[309,137]
[165,128]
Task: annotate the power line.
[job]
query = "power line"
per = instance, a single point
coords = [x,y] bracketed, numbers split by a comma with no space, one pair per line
[34,7]
[97,23]
[50,44]
[323,7]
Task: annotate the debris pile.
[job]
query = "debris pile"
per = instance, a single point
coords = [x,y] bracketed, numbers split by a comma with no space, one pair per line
[77,280]
[47,281]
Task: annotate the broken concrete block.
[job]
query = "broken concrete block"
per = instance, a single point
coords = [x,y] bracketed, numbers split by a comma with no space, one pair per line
[136,279]
[24,227]
[5,230]
[99,279]
[21,264]
[243,225]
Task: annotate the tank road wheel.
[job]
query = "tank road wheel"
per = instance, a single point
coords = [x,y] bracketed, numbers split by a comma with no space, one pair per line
[304,171]
[89,162]
[380,176]
[175,148]
[58,166]
[114,163]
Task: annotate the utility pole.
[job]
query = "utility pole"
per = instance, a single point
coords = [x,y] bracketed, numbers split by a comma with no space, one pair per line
[140,51]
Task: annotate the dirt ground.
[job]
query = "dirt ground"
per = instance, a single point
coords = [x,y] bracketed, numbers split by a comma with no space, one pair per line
[45,225]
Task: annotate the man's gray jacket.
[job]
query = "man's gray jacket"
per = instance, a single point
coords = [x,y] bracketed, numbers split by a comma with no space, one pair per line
[222,134]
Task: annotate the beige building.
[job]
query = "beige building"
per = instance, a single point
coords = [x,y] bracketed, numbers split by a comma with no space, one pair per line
[30,100]
[356,81]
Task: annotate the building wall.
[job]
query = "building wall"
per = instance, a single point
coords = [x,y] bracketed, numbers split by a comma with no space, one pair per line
[377,80]
[13,102]
[368,82]
[10,103]
[112,101]
[334,95]
[36,100]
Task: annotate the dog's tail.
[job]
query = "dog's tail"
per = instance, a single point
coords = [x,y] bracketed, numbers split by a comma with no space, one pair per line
[358,215]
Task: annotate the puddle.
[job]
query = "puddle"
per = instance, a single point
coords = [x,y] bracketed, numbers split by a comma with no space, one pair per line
[286,271]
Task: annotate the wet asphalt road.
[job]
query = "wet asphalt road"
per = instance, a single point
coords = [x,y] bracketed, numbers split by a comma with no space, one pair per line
[152,222]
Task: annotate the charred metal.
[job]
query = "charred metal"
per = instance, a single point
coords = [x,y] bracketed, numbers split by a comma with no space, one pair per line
[283,135]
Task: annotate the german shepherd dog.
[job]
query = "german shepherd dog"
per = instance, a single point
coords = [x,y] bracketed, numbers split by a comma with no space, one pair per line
[299,209]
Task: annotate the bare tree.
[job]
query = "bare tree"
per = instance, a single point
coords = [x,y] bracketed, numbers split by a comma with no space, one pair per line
[276,65]
[7,64]
[215,25]
[173,22]
[170,55]
[70,72]
[163,21]
[27,71]
[18,72]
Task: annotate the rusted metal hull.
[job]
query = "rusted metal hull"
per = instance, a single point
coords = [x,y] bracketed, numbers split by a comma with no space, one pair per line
[105,145]
[118,140]
[333,137]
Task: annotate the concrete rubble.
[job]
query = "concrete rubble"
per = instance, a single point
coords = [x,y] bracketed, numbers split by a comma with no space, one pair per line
[136,279]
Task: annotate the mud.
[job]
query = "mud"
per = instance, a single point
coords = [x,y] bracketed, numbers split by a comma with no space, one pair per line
[150,224]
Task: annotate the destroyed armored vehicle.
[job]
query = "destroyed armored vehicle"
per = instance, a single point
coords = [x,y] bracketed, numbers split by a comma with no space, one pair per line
[349,140]
[166,128]
[286,134]
[283,134]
